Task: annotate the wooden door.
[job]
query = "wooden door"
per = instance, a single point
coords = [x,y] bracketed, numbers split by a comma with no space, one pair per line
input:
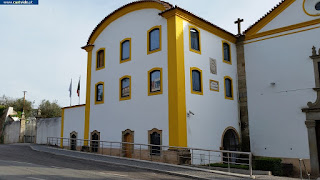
[128,147]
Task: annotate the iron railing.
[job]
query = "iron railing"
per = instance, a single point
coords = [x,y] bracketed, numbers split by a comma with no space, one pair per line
[159,153]
[301,161]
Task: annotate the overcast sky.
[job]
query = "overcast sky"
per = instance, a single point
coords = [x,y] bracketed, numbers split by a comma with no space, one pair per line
[40,44]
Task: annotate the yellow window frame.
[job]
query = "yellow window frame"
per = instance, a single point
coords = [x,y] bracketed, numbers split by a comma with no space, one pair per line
[148,39]
[193,50]
[225,90]
[120,87]
[192,91]
[129,59]
[161,87]
[104,59]
[95,93]
[229,52]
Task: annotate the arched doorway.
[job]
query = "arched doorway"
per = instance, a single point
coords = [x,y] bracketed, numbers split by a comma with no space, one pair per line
[95,137]
[73,140]
[155,138]
[230,142]
[127,137]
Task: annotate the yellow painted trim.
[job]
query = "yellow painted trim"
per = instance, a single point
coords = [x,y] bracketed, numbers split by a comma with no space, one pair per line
[229,52]
[284,29]
[104,59]
[95,93]
[192,91]
[62,127]
[88,48]
[225,90]
[282,35]
[161,80]
[196,21]
[121,12]
[120,87]
[176,83]
[129,59]
[264,21]
[305,11]
[148,40]
[193,50]
[216,82]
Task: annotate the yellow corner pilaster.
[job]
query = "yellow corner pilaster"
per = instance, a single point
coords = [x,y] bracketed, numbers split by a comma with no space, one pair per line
[62,127]
[176,83]
[88,48]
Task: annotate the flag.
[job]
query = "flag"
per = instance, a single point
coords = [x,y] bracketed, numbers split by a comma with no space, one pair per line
[70,88]
[78,89]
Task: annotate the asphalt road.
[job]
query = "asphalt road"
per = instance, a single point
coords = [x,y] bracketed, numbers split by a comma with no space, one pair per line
[19,161]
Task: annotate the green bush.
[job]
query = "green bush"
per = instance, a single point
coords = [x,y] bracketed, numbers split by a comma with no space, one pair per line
[236,166]
[268,164]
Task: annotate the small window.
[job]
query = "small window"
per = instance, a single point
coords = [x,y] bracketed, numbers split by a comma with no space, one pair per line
[228,88]
[100,59]
[226,52]
[99,93]
[125,88]
[317,6]
[194,40]
[155,81]
[154,39]
[196,81]
[125,50]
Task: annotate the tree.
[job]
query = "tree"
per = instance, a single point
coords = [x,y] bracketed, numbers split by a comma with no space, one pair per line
[17,105]
[50,109]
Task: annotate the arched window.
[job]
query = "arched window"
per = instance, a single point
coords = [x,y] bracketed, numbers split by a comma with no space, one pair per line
[317,6]
[125,88]
[125,50]
[100,59]
[99,93]
[155,81]
[228,88]
[194,40]
[196,81]
[95,141]
[226,52]
[154,39]
[73,140]
[155,139]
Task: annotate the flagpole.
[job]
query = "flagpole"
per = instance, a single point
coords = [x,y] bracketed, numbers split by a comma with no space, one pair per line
[79,88]
[70,89]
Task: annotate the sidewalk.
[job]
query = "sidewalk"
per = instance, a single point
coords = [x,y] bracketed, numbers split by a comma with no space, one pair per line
[184,171]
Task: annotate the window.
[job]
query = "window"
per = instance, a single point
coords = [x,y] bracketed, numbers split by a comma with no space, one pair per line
[100,56]
[154,39]
[226,52]
[125,88]
[196,81]
[194,38]
[99,97]
[155,81]
[125,50]
[228,88]
[155,138]
[317,6]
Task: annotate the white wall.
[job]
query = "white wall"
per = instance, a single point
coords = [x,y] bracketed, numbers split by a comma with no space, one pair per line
[142,112]
[47,127]
[74,121]
[213,113]
[277,127]
[11,132]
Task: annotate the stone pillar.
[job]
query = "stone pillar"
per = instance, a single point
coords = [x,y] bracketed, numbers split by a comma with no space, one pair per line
[311,126]
[242,88]
[22,128]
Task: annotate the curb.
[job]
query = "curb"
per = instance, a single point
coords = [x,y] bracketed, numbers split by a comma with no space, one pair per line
[145,161]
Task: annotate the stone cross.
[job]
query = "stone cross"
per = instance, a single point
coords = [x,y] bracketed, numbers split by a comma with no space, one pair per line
[239,21]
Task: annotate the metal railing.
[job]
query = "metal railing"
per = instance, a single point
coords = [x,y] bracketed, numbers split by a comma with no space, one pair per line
[301,161]
[159,153]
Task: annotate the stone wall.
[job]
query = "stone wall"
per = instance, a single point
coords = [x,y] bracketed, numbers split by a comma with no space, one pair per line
[48,127]
[11,132]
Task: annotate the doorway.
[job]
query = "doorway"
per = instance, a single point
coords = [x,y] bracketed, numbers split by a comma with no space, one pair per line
[127,137]
[73,140]
[230,143]
[95,137]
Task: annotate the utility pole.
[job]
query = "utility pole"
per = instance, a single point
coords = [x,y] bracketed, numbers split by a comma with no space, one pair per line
[24,99]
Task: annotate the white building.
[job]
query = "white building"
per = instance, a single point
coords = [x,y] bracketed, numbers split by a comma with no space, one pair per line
[216,88]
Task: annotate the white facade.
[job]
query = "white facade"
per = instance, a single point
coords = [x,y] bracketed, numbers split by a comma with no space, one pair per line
[47,127]
[73,121]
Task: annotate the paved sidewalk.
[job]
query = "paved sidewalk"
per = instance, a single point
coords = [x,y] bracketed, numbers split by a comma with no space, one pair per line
[183,171]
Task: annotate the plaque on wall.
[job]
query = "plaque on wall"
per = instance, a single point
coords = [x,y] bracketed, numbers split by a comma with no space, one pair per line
[213,66]
[214,85]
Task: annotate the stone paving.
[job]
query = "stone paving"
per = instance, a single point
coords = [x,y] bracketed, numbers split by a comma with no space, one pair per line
[195,173]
